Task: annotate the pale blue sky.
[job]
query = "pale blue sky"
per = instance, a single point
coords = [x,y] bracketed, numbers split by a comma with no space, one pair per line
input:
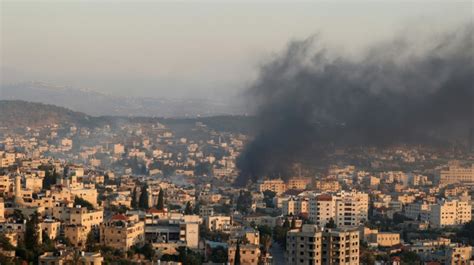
[190,48]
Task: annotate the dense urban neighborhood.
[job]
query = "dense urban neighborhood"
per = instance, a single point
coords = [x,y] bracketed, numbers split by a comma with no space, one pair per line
[152,191]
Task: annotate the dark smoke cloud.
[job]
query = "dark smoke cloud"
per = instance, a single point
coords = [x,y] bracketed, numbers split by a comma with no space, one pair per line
[308,99]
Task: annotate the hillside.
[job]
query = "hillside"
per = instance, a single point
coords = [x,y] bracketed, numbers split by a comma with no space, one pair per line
[17,113]
[99,104]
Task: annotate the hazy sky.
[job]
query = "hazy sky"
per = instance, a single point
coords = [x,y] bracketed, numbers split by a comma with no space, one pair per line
[189,49]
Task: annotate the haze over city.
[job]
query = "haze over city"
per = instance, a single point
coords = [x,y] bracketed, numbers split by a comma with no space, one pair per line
[193,50]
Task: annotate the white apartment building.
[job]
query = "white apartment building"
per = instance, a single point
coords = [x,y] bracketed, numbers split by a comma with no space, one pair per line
[347,209]
[295,206]
[450,212]
[418,211]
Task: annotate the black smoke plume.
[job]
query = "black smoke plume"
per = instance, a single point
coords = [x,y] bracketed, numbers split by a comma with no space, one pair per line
[309,99]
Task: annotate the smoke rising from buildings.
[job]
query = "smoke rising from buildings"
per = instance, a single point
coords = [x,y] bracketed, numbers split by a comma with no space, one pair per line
[309,99]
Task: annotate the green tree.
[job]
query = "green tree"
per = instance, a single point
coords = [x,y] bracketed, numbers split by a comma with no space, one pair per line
[265,242]
[331,224]
[264,230]
[147,250]
[467,232]
[5,243]
[143,199]
[279,233]
[268,196]
[219,255]
[91,241]
[189,209]
[367,258]
[49,178]
[161,204]
[31,232]
[17,215]
[410,258]
[237,255]
[134,202]
[83,203]
[244,201]
[202,169]
[187,256]
[48,244]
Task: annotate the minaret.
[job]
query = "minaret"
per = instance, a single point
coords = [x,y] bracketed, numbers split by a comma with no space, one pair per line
[18,195]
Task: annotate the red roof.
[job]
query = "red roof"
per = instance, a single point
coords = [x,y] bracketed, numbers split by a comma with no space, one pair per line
[119,217]
[154,210]
[324,197]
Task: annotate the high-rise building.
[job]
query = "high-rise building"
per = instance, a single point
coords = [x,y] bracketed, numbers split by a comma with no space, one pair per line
[346,209]
[313,245]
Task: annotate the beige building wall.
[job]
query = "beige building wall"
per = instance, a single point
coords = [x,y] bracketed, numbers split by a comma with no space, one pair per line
[51,228]
[218,223]
[455,173]
[341,247]
[448,213]
[275,185]
[298,183]
[189,232]
[304,246]
[383,239]
[249,254]
[76,234]
[459,255]
[122,234]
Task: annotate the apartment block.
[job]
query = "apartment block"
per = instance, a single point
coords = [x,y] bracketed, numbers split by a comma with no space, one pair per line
[313,245]
[122,232]
[449,213]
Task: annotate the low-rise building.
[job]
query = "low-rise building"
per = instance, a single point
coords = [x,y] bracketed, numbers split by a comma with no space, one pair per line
[122,232]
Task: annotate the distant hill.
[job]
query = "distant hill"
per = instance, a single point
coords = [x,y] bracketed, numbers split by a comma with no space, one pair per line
[17,113]
[98,104]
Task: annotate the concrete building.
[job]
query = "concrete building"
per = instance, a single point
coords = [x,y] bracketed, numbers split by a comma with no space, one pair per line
[249,254]
[122,232]
[295,206]
[419,211]
[384,239]
[79,216]
[449,213]
[313,245]
[76,234]
[340,246]
[327,185]
[51,228]
[459,255]
[164,237]
[455,173]
[347,209]
[298,183]
[276,185]
[304,246]
[218,223]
